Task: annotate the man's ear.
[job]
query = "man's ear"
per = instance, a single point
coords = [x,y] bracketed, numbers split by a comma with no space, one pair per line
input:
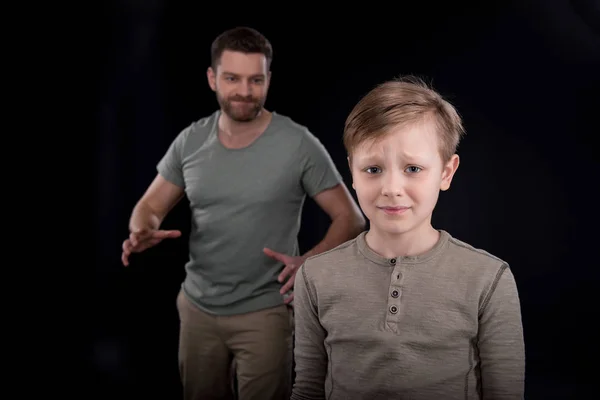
[212,78]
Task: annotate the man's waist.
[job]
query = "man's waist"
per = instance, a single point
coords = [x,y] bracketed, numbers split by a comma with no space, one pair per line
[232,301]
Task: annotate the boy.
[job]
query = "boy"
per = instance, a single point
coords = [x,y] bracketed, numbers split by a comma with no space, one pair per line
[406,311]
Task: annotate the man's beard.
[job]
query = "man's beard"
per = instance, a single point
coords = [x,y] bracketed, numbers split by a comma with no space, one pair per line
[241,112]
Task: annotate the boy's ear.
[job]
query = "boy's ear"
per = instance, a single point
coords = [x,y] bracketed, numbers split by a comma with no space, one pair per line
[449,171]
[350,167]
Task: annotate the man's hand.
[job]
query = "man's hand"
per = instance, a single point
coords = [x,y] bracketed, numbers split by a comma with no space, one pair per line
[291,267]
[142,239]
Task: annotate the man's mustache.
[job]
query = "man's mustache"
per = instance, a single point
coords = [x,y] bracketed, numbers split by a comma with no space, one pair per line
[243,99]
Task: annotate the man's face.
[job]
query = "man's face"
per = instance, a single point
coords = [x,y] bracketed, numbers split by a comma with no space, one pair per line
[398,178]
[241,82]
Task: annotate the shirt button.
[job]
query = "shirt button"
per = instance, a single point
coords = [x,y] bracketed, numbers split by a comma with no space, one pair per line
[395,293]
[393,309]
[393,261]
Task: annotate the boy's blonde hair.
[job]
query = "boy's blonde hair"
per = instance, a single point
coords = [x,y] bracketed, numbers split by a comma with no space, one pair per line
[399,103]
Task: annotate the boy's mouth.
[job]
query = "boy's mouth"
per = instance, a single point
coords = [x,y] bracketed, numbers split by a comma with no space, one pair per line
[393,209]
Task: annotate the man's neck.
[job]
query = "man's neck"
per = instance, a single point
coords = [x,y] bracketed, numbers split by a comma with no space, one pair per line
[412,243]
[233,128]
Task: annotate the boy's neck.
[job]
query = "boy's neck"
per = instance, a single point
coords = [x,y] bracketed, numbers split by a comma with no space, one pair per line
[412,243]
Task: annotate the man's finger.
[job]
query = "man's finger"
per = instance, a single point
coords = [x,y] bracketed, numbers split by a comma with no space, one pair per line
[162,234]
[275,255]
[287,271]
[153,242]
[141,232]
[134,245]
[289,299]
[139,236]
[126,251]
[134,239]
[288,285]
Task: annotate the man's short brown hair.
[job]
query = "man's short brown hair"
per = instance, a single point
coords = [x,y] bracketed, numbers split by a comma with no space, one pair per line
[242,39]
[399,103]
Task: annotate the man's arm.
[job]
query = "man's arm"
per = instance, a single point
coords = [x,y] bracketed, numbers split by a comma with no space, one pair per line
[166,190]
[347,221]
[158,200]
[322,182]
[500,340]
[147,216]
[309,347]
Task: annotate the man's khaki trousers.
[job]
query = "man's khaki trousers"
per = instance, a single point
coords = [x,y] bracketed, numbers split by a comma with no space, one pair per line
[259,343]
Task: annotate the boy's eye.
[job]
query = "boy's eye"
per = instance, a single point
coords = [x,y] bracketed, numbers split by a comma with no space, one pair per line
[373,170]
[413,169]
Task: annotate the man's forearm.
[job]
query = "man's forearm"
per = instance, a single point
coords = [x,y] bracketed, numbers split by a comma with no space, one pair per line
[143,217]
[343,227]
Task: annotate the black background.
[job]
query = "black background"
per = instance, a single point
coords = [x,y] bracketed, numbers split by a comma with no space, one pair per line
[524,75]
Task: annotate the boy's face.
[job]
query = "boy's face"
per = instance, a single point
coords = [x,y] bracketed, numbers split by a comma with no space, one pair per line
[397,179]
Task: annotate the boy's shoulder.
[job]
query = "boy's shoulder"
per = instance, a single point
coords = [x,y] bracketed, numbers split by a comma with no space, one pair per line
[468,254]
[339,256]
[470,266]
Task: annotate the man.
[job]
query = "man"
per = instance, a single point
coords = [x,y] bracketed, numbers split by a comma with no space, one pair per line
[246,172]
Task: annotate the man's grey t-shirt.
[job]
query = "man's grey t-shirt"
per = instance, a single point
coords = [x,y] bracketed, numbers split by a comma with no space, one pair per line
[243,200]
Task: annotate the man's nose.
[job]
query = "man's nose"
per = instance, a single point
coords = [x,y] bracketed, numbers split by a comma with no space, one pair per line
[245,88]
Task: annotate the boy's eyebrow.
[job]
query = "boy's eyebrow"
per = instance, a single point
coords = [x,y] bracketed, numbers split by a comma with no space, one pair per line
[372,158]
[413,157]
[368,159]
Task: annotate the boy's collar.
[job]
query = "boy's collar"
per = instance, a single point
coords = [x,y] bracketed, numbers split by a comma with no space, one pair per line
[418,259]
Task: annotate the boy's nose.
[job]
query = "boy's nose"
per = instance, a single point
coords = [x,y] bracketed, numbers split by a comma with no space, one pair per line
[393,185]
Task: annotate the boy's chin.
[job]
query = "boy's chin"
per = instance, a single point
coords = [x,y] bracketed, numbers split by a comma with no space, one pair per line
[393,227]
[397,227]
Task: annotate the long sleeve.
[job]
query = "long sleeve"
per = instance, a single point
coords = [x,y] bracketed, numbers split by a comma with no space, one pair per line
[309,349]
[500,340]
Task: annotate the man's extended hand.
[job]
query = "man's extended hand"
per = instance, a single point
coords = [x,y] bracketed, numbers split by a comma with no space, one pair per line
[143,239]
[291,267]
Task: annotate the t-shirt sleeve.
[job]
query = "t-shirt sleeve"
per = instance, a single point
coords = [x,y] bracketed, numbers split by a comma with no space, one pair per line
[317,168]
[170,166]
